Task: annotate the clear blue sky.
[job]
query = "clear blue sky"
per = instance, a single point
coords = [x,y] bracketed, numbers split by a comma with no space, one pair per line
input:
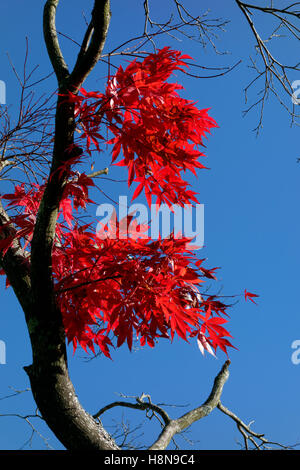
[251,197]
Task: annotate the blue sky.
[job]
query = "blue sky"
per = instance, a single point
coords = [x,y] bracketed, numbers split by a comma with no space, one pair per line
[251,199]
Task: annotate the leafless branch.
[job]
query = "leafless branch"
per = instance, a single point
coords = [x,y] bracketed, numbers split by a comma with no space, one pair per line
[181,22]
[272,71]
[59,65]
[207,28]
[28,418]
[171,427]
[25,144]
[139,405]
[258,441]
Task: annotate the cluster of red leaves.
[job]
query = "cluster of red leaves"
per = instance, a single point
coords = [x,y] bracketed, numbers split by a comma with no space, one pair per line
[130,287]
[133,287]
[158,132]
[26,202]
[136,287]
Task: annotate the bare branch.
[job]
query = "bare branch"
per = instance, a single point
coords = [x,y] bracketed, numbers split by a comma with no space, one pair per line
[259,441]
[92,44]
[98,173]
[140,405]
[51,41]
[179,424]
[274,72]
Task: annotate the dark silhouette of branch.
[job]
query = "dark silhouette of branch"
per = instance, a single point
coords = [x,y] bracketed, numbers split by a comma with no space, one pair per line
[272,71]
[258,441]
[139,405]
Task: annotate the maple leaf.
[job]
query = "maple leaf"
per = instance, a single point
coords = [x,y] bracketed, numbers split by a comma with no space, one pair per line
[204,345]
[249,295]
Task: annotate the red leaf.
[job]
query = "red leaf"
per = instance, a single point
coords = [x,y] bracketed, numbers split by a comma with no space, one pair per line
[249,295]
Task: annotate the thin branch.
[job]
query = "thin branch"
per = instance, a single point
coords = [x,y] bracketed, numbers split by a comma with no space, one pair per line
[274,71]
[98,173]
[140,405]
[259,441]
[82,284]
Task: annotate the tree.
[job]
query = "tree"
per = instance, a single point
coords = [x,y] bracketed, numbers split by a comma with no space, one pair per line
[69,280]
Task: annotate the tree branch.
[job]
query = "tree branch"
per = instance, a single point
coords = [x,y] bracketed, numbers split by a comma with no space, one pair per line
[258,440]
[178,425]
[93,43]
[274,71]
[98,173]
[51,41]
[140,405]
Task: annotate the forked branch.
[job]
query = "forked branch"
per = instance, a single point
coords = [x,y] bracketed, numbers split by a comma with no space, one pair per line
[171,427]
[250,437]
